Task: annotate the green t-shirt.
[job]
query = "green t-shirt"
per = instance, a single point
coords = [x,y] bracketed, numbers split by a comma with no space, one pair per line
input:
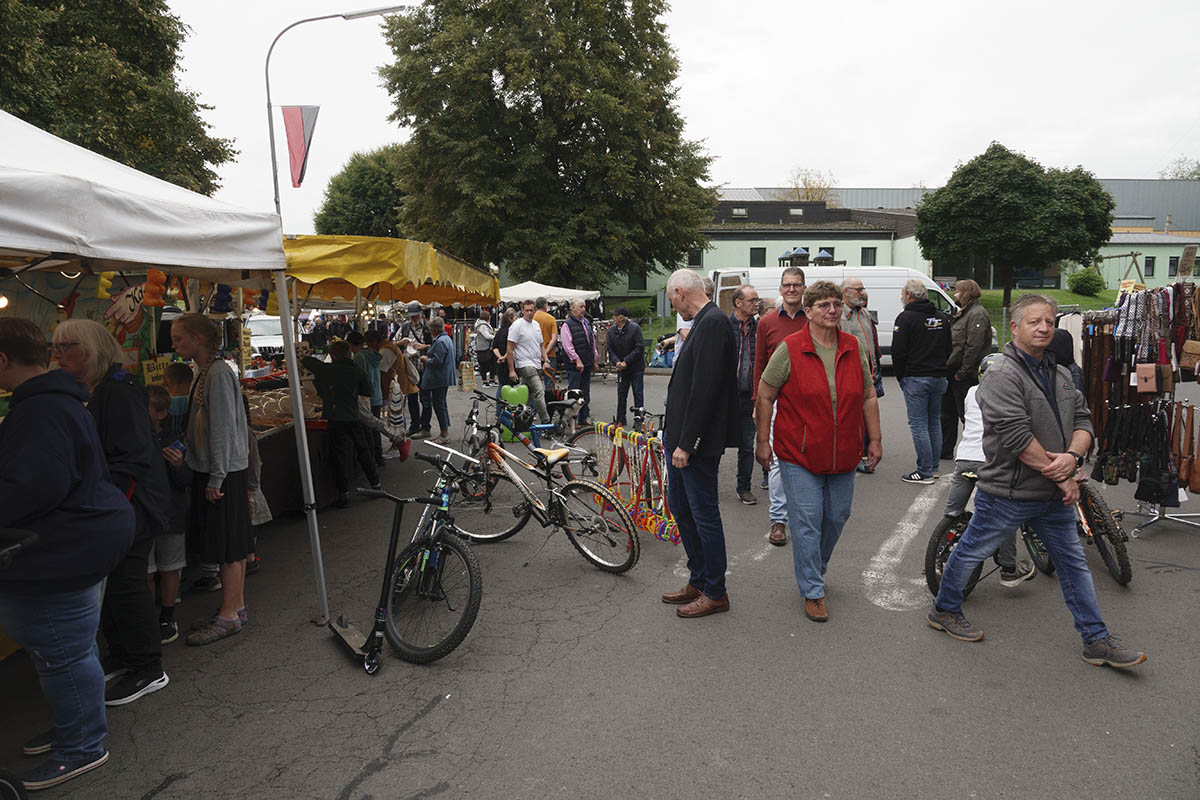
[779,367]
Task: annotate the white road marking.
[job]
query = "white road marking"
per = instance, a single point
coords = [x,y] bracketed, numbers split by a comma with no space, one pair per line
[885,588]
[755,554]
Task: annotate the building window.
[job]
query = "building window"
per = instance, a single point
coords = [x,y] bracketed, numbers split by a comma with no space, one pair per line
[1173,266]
[739,212]
[868,256]
[1149,271]
[758,257]
[796,212]
[637,283]
[695,258]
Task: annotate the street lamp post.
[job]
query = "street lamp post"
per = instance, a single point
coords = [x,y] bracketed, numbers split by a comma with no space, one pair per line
[289,338]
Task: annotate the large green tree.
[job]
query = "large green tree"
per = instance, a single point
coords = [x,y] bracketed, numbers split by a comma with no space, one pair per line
[104,76]
[1008,209]
[364,198]
[545,135]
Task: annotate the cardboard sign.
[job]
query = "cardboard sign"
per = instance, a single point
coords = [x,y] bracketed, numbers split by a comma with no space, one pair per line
[1188,261]
[245,347]
[154,370]
[1131,285]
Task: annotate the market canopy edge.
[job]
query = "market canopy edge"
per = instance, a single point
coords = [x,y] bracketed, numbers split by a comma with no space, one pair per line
[385,269]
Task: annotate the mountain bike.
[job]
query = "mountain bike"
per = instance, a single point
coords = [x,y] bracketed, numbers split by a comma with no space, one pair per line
[432,589]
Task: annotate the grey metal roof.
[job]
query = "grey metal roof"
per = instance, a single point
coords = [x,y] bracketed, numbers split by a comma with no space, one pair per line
[739,195]
[1152,238]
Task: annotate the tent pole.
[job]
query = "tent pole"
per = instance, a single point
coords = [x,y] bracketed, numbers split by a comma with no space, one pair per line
[306,481]
[358,309]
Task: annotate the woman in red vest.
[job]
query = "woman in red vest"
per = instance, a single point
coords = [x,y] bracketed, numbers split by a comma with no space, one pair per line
[821,378]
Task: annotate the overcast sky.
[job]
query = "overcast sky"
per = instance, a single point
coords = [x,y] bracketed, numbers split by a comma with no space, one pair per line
[877,93]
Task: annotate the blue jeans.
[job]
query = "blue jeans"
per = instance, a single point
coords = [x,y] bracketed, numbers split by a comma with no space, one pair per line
[923,400]
[626,379]
[59,631]
[1054,523]
[434,400]
[692,498]
[745,462]
[818,507]
[777,512]
[577,379]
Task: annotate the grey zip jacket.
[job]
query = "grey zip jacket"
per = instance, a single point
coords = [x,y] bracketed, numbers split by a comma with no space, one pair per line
[1015,412]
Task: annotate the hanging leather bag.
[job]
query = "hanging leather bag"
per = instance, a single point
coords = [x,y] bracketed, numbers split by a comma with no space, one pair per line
[1186,454]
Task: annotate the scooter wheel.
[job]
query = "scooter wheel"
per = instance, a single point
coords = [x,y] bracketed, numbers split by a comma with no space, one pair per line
[371,663]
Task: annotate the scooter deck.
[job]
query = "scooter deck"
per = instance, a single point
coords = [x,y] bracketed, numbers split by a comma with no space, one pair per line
[350,634]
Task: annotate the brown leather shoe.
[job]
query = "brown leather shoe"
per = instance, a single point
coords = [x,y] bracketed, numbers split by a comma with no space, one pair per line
[778,535]
[704,605]
[816,610]
[685,595]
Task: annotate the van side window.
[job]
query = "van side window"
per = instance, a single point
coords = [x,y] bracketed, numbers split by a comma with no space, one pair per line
[941,302]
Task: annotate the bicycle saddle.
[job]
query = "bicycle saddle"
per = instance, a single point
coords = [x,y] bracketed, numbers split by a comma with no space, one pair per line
[554,456]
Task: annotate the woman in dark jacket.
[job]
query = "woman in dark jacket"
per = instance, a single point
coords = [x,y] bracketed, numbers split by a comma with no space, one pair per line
[86,350]
[971,339]
[54,481]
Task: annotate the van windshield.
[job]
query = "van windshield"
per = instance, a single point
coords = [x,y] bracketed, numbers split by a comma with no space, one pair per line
[942,302]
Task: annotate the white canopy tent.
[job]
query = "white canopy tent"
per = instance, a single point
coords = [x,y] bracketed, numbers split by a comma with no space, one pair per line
[532,290]
[63,207]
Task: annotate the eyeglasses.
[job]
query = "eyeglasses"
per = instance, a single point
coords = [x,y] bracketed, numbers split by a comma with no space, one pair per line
[61,347]
[828,305]
[792,287]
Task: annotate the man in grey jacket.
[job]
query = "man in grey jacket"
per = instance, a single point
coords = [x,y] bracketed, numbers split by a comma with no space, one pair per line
[1036,428]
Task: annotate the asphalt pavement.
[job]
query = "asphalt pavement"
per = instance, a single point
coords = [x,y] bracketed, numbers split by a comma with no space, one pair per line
[575,683]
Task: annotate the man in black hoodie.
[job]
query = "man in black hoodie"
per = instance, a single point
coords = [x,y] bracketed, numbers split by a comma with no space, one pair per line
[54,481]
[920,347]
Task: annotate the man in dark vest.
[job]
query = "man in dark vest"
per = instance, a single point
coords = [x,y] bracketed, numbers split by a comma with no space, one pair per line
[579,343]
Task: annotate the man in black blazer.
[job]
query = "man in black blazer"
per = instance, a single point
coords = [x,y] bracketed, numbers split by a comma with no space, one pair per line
[702,420]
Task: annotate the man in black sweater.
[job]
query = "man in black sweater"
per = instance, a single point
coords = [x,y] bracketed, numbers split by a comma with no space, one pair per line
[627,352]
[340,383]
[920,347]
[702,420]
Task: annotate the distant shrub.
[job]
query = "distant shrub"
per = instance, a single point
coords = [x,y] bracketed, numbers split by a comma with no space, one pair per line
[1086,282]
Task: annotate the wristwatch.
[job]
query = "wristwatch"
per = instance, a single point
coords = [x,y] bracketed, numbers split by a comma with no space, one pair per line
[1078,459]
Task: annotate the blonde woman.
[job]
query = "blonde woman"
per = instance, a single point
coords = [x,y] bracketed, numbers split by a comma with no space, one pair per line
[128,619]
[217,441]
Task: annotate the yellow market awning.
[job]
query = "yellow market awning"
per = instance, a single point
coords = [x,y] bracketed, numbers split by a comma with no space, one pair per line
[386,270]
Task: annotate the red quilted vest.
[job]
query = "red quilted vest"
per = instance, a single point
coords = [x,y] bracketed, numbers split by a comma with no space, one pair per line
[805,431]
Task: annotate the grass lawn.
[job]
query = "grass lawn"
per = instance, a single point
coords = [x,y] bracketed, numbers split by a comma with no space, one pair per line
[993,299]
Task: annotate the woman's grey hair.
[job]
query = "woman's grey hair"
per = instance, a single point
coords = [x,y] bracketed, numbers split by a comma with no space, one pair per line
[510,316]
[915,289]
[99,346]
[1017,310]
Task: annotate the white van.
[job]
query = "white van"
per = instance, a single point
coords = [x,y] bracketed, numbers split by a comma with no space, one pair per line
[883,285]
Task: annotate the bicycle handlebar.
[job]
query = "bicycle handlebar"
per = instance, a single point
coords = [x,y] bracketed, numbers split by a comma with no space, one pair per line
[382,495]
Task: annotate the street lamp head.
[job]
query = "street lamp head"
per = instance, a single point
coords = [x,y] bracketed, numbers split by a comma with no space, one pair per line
[374,12]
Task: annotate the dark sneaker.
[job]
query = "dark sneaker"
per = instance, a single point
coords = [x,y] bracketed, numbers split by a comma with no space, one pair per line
[112,669]
[42,743]
[1023,571]
[253,565]
[766,483]
[955,625]
[54,772]
[864,469]
[747,498]
[343,500]
[168,631]
[1111,652]
[916,477]
[207,583]
[133,686]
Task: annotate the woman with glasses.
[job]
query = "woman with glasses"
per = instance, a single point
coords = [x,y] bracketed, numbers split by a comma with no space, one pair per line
[821,378]
[128,618]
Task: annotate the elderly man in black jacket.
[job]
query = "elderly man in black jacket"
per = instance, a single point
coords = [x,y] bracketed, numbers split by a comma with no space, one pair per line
[702,420]
[627,353]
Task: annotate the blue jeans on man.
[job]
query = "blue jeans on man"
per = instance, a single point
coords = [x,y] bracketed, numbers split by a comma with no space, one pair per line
[434,400]
[745,462]
[581,379]
[818,507]
[1054,523]
[625,380]
[923,401]
[59,632]
[692,498]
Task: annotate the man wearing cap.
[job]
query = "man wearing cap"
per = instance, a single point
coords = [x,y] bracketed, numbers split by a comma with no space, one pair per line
[627,352]
[415,334]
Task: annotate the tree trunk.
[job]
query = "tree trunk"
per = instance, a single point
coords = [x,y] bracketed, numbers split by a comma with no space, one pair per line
[1004,273]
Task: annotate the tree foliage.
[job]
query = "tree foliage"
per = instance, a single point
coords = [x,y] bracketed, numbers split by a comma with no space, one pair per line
[1182,168]
[363,199]
[1010,210]
[103,75]
[811,185]
[546,136]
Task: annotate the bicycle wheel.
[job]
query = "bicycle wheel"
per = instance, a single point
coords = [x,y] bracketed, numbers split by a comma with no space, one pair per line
[942,542]
[1037,550]
[433,598]
[1106,533]
[598,462]
[490,506]
[598,525]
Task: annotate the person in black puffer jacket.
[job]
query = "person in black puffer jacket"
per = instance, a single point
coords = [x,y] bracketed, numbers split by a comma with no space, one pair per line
[128,619]
[920,347]
[54,481]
